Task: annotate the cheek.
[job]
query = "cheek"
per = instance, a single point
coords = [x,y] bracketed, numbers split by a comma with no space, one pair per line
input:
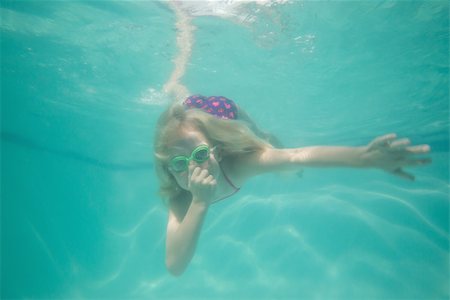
[213,167]
[182,179]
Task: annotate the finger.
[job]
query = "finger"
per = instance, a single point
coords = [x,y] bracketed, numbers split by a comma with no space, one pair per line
[194,171]
[208,180]
[400,144]
[402,174]
[418,162]
[420,149]
[201,174]
[383,140]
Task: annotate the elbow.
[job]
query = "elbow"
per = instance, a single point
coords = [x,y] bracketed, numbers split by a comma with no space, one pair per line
[175,269]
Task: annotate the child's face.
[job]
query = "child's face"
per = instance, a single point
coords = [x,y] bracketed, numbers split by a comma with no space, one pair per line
[191,139]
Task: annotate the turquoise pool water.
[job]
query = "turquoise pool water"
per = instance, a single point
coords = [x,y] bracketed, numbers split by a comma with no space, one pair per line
[81,92]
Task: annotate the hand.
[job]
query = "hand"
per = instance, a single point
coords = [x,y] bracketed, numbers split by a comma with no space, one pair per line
[202,185]
[391,155]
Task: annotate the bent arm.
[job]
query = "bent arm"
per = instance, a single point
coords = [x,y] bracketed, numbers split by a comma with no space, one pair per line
[182,236]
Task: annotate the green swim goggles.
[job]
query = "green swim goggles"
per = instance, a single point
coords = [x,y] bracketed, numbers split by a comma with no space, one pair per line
[180,163]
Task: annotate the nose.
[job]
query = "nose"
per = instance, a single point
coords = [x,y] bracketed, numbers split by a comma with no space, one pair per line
[193,163]
[196,164]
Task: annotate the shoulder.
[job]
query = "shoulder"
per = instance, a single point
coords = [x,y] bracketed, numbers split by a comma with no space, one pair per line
[244,166]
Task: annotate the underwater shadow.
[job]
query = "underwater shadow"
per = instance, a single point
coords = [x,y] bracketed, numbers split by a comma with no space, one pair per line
[30,144]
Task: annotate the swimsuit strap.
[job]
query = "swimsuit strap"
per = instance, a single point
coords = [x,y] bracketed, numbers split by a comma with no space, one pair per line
[236,189]
[228,179]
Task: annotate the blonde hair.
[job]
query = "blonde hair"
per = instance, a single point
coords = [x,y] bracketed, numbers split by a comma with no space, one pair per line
[234,137]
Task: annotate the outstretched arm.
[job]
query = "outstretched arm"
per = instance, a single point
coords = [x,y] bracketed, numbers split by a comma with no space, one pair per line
[386,153]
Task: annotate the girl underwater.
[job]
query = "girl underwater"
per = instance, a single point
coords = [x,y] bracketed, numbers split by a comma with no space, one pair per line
[206,148]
